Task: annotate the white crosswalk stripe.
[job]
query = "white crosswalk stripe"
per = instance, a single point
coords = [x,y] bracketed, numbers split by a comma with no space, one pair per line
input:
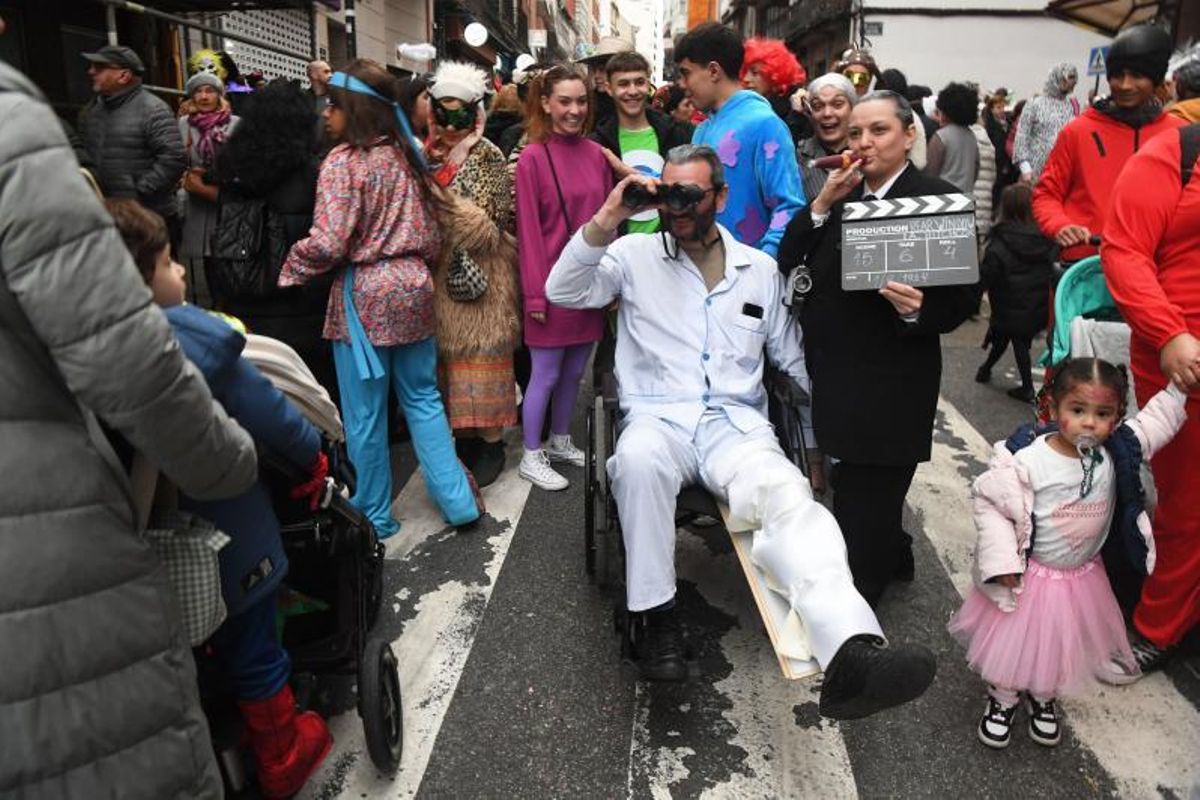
[782,747]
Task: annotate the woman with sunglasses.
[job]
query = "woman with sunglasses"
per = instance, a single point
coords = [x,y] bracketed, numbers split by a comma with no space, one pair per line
[562,179]
[374,227]
[475,280]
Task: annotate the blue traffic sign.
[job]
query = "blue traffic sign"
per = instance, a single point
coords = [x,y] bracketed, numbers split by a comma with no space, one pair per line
[1096,61]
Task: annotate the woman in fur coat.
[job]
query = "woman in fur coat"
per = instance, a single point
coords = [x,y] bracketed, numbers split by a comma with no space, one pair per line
[475,294]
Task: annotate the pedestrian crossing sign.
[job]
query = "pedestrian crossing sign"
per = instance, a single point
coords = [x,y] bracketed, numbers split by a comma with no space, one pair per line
[1096,61]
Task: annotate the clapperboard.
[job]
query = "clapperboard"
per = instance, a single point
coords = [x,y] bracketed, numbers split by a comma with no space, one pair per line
[921,241]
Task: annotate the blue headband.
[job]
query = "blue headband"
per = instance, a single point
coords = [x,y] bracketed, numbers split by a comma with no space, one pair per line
[350,83]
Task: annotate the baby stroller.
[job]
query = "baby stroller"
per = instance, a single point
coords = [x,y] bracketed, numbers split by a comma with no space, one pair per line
[334,587]
[1086,322]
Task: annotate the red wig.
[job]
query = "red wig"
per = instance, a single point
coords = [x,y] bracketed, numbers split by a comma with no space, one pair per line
[775,63]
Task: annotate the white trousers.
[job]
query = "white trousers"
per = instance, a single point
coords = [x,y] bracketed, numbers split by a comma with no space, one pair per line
[798,543]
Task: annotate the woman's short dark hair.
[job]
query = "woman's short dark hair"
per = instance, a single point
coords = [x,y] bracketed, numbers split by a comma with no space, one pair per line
[712,41]
[904,110]
[959,102]
[143,231]
[368,119]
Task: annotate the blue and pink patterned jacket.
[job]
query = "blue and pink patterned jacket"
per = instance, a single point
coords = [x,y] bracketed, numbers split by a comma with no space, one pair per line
[756,149]
[370,214]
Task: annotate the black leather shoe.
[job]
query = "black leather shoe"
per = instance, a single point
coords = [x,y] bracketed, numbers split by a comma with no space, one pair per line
[983,375]
[1022,393]
[868,675]
[661,656]
[489,463]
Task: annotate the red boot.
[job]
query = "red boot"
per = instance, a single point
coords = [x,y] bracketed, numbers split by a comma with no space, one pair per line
[288,747]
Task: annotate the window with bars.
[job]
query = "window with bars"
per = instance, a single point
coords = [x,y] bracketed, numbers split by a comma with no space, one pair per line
[287,28]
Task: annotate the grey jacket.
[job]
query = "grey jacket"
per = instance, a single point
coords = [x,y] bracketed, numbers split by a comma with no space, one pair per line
[134,140]
[98,690]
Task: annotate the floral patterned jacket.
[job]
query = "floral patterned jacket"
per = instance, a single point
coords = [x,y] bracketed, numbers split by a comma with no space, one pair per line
[370,214]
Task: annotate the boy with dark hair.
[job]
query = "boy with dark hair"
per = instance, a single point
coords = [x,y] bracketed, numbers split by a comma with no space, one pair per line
[753,143]
[637,134]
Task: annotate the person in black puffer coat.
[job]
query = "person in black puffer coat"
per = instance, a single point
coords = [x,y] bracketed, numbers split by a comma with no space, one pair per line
[269,156]
[1016,270]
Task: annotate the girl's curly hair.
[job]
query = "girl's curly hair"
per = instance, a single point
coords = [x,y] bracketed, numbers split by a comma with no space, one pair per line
[775,62]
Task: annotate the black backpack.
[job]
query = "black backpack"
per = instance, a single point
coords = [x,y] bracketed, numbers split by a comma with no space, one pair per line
[249,245]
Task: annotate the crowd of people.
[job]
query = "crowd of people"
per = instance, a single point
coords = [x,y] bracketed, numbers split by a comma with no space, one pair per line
[467,243]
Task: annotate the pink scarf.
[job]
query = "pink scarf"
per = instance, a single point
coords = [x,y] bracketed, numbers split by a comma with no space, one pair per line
[213,127]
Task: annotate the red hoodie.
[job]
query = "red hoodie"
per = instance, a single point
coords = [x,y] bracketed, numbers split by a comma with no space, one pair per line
[1083,166]
[1151,253]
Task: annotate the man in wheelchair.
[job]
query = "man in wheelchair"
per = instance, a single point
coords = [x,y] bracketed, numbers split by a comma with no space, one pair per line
[697,308]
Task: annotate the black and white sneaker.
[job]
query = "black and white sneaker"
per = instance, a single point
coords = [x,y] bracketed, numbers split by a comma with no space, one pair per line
[995,729]
[1148,655]
[1043,722]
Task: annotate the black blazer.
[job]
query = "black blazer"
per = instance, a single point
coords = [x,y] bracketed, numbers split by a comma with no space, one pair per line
[875,377]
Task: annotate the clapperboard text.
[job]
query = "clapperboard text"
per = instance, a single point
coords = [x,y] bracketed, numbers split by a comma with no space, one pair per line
[921,241]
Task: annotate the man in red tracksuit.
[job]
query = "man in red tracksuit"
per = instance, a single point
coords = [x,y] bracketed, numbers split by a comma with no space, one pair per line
[1151,257]
[1071,199]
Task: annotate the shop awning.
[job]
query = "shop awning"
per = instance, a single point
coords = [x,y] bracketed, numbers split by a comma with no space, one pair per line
[1107,16]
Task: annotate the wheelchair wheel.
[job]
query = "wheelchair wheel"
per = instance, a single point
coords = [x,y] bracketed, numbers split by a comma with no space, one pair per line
[589,502]
[600,506]
[379,705]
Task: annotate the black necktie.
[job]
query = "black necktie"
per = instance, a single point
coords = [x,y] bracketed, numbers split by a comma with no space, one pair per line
[867,197]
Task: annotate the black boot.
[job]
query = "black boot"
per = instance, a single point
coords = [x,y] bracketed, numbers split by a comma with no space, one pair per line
[868,675]
[983,374]
[467,448]
[661,656]
[1022,393]
[489,463]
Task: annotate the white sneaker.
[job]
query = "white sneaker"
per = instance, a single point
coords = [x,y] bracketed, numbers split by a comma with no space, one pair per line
[1116,672]
[562,449]
[535,468]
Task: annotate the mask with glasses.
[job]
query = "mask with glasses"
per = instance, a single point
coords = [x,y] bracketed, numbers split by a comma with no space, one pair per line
[461,118]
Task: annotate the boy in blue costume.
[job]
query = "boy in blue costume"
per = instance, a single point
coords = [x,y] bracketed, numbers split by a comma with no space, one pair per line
[753,143]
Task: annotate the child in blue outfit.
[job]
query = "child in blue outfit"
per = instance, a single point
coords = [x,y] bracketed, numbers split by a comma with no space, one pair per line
[288,746]
[753,143]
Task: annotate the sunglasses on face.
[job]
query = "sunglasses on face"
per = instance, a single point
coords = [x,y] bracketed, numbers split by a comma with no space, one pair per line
[458,118]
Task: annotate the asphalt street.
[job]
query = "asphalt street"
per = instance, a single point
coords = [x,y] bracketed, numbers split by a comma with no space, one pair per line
[514,686]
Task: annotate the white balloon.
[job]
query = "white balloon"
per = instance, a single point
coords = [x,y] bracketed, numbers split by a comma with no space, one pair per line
[475,34]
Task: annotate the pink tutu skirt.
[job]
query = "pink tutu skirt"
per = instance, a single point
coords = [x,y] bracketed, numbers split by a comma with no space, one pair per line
[1066,628]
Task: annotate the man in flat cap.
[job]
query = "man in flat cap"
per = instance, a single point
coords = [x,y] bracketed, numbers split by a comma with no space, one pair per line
[132,135]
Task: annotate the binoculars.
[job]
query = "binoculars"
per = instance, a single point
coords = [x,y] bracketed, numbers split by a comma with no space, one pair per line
[677,196]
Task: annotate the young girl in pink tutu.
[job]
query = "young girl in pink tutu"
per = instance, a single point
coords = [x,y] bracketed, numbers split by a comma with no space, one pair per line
[1041,618]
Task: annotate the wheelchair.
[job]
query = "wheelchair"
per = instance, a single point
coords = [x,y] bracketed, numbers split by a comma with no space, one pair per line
[604,547]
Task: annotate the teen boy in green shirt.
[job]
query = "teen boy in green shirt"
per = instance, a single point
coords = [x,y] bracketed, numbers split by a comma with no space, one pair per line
[638,135]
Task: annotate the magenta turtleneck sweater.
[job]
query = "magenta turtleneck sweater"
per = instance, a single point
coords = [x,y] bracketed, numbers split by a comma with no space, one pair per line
[586,179]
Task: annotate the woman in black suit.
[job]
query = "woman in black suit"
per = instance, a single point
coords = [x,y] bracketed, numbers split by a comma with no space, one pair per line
[875,357]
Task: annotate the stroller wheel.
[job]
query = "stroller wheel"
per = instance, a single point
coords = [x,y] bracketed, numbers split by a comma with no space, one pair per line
[379,705]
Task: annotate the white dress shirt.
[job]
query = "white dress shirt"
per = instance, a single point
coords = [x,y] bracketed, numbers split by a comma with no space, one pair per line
[682,350]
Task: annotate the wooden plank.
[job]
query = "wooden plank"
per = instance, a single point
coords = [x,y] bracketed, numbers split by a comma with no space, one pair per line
[772,608]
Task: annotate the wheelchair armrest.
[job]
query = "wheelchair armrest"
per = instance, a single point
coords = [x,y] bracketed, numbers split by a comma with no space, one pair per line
[783,387]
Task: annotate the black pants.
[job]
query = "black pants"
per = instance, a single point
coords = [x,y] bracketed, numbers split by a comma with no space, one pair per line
[868,501]
[1020,348]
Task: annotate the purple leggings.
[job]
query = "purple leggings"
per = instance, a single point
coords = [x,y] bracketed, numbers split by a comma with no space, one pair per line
[553,383]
